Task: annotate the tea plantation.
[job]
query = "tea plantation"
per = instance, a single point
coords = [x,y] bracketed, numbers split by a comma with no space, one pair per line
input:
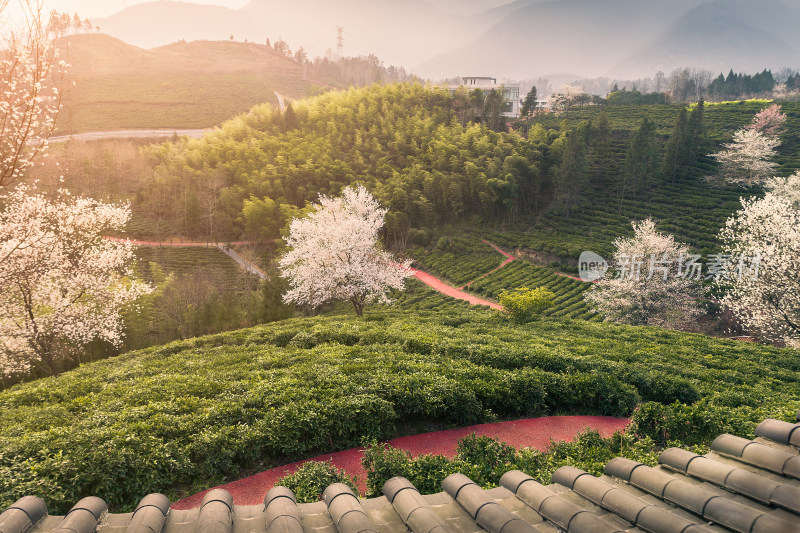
[691,209]
[188,415]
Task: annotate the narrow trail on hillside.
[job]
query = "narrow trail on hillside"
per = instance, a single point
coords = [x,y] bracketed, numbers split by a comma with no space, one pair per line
[500,250]
[128,134]
[451,291]
[183,244]
[509,258]
[532,432]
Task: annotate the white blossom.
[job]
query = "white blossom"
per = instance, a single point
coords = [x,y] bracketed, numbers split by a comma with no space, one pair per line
[747,161]
[768,228]
[786,188]
[62,284]
[334,254]
[651,285]
[30,75]
[566,96]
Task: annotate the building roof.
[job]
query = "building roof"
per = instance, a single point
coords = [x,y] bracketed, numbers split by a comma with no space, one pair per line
[741,485]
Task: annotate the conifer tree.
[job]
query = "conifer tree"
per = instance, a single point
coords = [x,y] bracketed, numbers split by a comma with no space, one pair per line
[530,102]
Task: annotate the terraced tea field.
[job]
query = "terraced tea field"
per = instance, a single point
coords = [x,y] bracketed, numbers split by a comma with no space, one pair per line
[209,261]
[569,301]
[476,265]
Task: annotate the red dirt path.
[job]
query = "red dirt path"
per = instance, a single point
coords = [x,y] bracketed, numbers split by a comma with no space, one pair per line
[532,432]
[508,256]
[452,292]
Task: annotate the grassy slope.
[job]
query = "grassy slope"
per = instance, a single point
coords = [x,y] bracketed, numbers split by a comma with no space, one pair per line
[196,412]
[182,85]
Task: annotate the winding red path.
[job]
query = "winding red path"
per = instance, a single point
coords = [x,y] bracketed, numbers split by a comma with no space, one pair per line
[450,291]
[532,432]
[509,258]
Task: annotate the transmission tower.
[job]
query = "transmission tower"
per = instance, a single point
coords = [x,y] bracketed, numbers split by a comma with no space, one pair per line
[340,42]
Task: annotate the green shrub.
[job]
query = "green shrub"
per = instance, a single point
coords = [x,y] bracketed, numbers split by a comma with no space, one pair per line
[485,459]
[311,479]
[488,458]
[524,305]
[691,424]
[383,462]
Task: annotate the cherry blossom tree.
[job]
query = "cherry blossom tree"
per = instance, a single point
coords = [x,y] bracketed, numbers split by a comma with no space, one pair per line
[654,281]
[30,77]
[786,188]
[565,98]
[62,284]
[335,255]
[748,160]
[769,121]
[765,236]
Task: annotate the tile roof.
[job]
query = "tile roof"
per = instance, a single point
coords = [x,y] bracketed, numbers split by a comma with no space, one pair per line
[741,485]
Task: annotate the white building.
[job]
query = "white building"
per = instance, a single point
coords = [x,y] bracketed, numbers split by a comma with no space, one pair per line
[511,97]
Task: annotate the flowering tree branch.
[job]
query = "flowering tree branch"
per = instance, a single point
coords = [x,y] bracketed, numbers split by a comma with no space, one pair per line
[31,75]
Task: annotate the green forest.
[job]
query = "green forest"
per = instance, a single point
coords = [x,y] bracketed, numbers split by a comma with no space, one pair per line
[420,152]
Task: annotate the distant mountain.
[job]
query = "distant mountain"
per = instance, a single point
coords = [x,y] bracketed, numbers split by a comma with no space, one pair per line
[397,32]
[152,24]
[584,37]
[501,38]
[403,33]
[723,35]
[467,7]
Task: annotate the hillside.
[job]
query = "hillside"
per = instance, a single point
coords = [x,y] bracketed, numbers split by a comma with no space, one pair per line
[406,144]
[193,413]
[182,85]
[153,24]
[691,209]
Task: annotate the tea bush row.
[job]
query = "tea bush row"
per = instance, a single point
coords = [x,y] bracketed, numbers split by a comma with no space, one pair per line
[192,414]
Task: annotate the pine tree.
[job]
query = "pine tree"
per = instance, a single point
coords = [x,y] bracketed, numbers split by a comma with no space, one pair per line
[641,163]
[683,146]
[571,177]
[530,102]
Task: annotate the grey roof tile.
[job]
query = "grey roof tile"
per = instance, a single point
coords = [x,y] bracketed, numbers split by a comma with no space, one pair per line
[742,485]
[779,431]
[281,513]
[710,505]
[150,515]
[346,511]
[412,508]
[758,454]
[752,485]
[83,517]
[23,515]
[216,513]
[565,514]
[486,512]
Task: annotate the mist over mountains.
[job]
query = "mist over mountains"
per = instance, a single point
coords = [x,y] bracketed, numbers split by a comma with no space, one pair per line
[516,39]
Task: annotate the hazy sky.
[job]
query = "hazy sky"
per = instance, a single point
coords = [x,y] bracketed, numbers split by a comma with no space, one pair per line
[103,8]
